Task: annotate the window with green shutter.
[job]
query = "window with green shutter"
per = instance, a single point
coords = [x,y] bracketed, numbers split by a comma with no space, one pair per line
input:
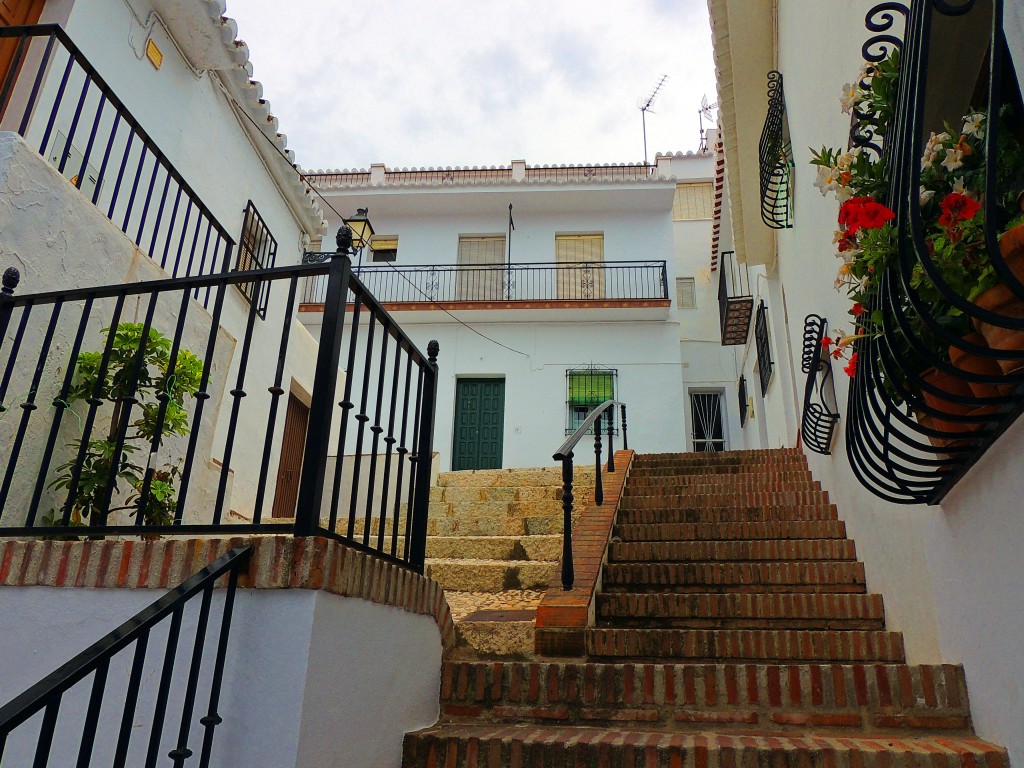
[586,389]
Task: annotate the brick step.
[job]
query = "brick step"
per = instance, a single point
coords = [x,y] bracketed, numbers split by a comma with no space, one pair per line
[525,746]
[696,483]
[524,495]
[722,498]
[491,575]
[756,645]
[511,478]
[726,514]
[736,577]
[720,465]
[696,551]
[547,547]
[832,529]
[814,698]
[704,610]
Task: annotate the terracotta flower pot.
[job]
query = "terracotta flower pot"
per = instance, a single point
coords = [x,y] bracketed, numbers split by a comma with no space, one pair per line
[972,362]
[1001,300]
[956,387]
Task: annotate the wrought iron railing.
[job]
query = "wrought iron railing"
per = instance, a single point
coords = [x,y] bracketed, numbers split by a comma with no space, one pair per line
[765,366]
[449,283]
[735,302]
[128,409]
[66,696]
[564,455]
[776,159]
[820,413]
[637,172]
[930,394]
[257,249]
[61,105]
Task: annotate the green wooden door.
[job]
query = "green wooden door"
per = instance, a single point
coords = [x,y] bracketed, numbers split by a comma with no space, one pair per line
[479,423]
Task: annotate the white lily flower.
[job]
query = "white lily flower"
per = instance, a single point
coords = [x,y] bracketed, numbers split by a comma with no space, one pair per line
[954,159]
[974,125]
[827,179]
[958,187]
[843,194]
[849,97]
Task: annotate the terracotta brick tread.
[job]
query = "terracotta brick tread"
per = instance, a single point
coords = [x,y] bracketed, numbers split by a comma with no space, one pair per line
[757,609]
[683,513]
[770,549]
[646,498]
[525,746]
[829,529]
[794,576]
[746,645]
[894,697]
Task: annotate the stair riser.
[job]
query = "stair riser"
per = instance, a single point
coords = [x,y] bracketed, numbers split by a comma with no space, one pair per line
[746,645]
[541,548]
[730,531]
[693,696]
[726,514]
[511,478]
[472,494]
[497,577]
[809,576]
[696,551]
[752,608]
[683,485]
[695,500]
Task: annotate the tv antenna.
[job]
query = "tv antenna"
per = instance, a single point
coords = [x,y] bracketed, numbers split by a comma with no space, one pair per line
[645,107]
[705,111]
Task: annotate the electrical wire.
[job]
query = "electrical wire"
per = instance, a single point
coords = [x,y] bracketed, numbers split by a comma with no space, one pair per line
[315,191]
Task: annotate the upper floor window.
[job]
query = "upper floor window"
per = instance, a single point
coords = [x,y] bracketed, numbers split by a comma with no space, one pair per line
[686,293]
[481,274]
[257,249]
[693,202]
[575,255]
[384,248]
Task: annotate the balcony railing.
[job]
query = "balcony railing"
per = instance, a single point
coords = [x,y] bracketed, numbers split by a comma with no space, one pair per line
[929,396]
[776,159]
[611,281]
[61,105]
[820,414]
[129,410]
[735,302]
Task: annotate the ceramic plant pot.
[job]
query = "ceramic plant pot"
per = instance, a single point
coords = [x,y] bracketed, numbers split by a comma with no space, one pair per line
[1002,301]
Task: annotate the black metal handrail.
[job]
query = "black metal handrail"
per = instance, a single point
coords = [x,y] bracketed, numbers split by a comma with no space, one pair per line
[735,301]
[51,87]
[565,455]
[776,159]
[144,397]
[48,695]
[820,413]
[927,401]
[582,281]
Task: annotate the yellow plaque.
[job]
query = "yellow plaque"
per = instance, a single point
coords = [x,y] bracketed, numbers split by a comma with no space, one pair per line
[155,56]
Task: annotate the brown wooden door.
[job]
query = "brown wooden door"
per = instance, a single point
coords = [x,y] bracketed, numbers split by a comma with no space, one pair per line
[14,13]
[292,446]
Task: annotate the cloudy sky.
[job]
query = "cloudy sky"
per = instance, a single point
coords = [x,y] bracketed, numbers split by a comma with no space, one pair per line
[469,82]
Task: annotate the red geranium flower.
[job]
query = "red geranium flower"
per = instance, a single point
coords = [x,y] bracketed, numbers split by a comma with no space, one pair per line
[857,309]
[826,342]
[851,368]
[863,213]
[956,208]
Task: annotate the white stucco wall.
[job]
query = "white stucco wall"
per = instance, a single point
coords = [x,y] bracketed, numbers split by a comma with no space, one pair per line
[308,675]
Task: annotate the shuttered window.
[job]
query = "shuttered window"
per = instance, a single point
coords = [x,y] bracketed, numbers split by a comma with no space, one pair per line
[686,293]
[577,277]
[481,261]
[587,389]
[693,202]
[384,248]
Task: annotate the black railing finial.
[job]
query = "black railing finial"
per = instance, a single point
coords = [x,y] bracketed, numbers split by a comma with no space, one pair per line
[10,281]
[432,349]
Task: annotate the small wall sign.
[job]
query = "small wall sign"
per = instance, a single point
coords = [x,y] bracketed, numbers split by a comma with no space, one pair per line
[154,54]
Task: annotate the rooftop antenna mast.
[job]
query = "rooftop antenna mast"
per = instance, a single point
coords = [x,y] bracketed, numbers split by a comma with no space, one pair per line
[705,111]
[645,107]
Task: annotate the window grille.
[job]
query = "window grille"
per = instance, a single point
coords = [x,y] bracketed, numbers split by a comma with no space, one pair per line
[384,248]
[776,159]
[764,353]
[686,293]
[587,388]
[693,202]
[481,263]
[257,249]
[741,389]
[576,255]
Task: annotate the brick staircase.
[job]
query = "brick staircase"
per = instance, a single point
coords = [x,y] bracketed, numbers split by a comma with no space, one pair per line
[734,629]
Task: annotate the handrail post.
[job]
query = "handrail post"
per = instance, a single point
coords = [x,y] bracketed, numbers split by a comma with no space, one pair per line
[598,487]
[424,451]
[611,445]
[321,409]
[11,279]
[568,576]
[625,442]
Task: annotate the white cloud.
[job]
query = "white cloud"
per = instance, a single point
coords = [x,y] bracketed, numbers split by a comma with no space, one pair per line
[468,83]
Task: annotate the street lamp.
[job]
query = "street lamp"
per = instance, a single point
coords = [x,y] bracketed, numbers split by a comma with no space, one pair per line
[360,230]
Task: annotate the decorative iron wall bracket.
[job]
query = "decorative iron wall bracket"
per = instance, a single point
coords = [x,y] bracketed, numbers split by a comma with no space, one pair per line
[776,159]
[820,412]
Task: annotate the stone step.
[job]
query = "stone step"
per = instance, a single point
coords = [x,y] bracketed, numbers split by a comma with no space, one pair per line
[816,698]
[742,611]
[723,498]
[804,576]
[832,529]
[544,548]
[525,746]
[512,478]
[476,640]
[489,523]
[472,493]
[726,514]
[755,645]
[508,508]
[696,551]
[491,575]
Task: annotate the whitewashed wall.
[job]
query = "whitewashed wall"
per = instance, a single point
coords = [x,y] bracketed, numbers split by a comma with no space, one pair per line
[308,675]
[950,573]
